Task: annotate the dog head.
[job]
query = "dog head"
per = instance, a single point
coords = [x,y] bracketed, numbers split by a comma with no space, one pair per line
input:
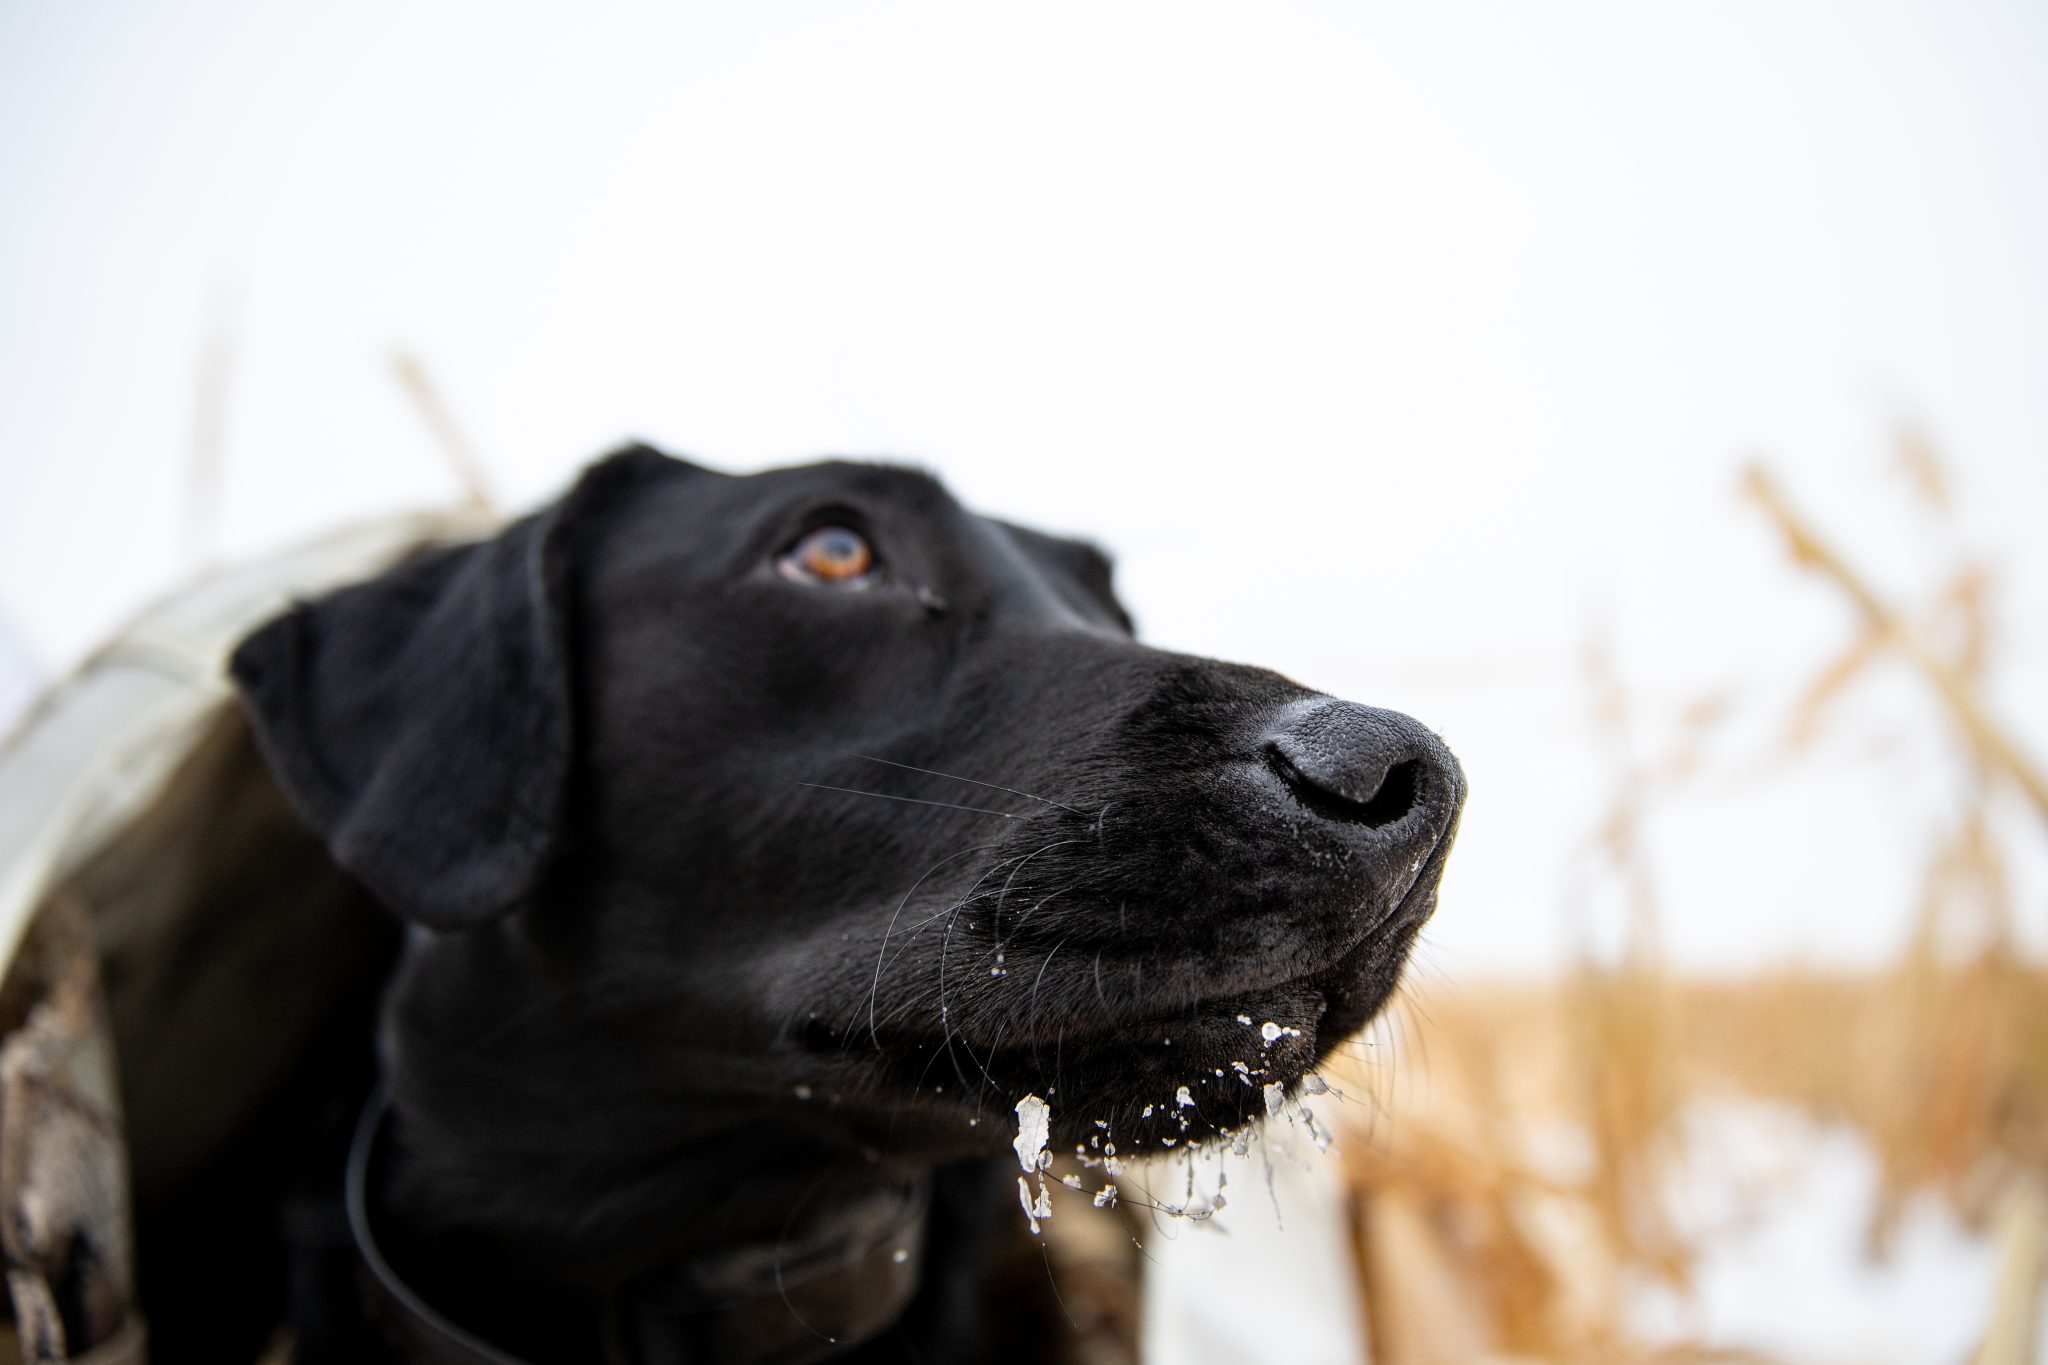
[811,803]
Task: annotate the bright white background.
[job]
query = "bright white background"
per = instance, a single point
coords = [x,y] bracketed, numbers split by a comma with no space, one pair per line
[1404,349]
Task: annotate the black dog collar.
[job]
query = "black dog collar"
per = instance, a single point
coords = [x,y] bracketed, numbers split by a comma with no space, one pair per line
[786,1302]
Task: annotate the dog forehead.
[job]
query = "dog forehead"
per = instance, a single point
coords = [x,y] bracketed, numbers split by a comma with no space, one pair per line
[898,486]
[726,504]
[682,517]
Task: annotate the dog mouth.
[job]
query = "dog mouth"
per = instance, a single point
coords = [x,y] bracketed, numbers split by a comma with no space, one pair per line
[1149,1051]
[1207,1069]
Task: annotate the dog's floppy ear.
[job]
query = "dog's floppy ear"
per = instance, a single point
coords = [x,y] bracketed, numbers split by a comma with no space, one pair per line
[422,720]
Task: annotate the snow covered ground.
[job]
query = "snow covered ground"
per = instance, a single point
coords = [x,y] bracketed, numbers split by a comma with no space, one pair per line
[1782,1208]
[1273,1272]
[1779,1205]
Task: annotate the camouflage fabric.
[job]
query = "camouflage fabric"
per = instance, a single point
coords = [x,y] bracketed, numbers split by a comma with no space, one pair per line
[124,795]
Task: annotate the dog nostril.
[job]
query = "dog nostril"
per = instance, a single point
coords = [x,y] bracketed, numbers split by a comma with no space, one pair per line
[1389,803]
[1355,765]
[1394,799]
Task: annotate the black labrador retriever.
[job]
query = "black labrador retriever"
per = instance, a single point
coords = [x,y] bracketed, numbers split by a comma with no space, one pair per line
[763,843]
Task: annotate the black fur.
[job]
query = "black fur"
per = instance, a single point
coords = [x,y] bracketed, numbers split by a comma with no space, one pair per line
[671,996]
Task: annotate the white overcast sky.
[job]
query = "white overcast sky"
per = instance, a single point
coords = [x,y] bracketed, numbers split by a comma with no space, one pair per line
[1397,347]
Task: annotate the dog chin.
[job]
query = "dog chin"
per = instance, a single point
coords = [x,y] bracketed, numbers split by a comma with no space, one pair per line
[1176,1080]
[1192,1078]
[1205,1072]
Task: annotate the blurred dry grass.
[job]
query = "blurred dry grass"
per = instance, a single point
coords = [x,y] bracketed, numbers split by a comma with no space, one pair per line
[1507,1204]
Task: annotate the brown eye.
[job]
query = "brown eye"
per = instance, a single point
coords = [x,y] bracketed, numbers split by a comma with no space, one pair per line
[830,554]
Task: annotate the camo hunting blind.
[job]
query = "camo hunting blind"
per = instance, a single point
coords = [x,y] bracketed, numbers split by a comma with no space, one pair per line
[155,893]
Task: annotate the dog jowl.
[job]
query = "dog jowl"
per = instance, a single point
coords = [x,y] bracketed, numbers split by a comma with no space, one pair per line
[764,840]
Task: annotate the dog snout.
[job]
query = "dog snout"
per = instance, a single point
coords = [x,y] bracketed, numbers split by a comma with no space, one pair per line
[1371,770]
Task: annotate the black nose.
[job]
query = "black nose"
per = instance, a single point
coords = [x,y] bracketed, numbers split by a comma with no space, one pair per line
[1356,765]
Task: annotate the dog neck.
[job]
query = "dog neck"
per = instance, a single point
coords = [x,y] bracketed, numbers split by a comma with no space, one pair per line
[834,1279]
[541,1199]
